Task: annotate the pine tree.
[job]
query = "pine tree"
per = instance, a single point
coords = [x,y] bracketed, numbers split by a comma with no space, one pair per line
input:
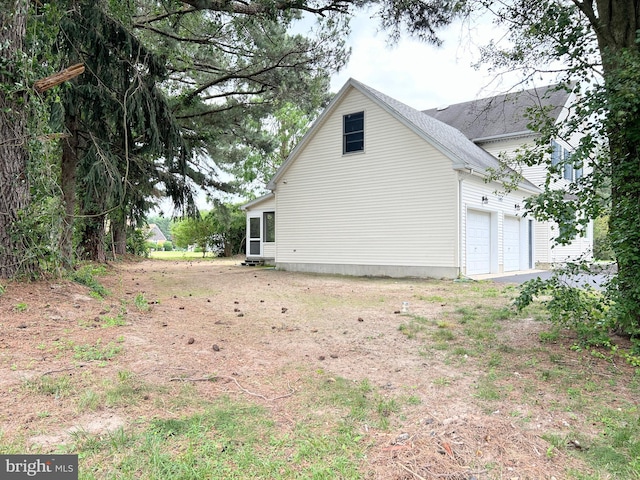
[14,184]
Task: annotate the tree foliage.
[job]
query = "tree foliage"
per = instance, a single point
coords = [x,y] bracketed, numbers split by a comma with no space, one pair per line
[281,131]
[229,225]
[224,67]
[220,230]
[591,49]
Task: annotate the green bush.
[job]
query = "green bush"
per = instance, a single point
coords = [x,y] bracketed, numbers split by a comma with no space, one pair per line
[586,311]
[167,246]
[86,275]
[601,243]
[137,243]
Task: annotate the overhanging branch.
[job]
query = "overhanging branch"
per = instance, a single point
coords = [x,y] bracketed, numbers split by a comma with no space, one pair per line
[51,81]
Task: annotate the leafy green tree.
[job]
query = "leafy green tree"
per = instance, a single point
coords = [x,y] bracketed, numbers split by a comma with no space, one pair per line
[125,140]
[118,124]
[601,242]
[229,225]
[231,68]
[593,48]
[137,243]
[221,230]
[199,232]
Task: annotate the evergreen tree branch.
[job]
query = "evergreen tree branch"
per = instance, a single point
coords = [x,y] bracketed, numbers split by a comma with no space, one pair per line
[256,8]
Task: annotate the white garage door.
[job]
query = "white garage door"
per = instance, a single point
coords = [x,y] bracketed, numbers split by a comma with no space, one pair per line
[511,244]
[478,242]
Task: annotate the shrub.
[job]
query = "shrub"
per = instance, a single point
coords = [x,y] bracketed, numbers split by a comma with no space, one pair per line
[583,310]
[137,243]
[167,246]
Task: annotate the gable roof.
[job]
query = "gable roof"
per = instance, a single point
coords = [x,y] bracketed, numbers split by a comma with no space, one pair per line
[503,115]
[155,234]
[464,154]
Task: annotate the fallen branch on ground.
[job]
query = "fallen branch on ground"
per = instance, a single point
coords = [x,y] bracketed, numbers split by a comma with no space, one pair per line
[248,392]
[49,372]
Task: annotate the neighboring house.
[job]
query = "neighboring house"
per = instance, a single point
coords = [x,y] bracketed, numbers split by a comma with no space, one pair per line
[378,188]
[155,235]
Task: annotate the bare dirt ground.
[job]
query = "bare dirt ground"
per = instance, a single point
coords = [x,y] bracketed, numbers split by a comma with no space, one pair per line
[259,330]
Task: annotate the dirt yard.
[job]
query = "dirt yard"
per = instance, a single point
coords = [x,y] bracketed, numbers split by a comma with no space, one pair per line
[482,401]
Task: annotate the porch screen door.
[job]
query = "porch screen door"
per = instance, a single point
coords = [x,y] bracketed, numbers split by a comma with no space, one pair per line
[254,236]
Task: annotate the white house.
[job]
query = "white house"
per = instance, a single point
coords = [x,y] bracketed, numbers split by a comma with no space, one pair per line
[378,188]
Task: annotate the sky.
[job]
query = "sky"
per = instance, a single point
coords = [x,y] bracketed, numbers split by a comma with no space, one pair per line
[419,74]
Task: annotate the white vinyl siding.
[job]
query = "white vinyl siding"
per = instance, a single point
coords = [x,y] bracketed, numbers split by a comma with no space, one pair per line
[507,148]
[511,243]
[393,204]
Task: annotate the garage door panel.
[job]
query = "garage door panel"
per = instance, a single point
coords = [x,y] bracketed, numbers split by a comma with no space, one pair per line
[478,242]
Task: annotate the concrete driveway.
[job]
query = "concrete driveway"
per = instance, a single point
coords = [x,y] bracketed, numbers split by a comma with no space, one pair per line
[597,279]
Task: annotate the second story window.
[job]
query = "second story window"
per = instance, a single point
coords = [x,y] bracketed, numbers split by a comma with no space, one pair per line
[353,133]
[569,170]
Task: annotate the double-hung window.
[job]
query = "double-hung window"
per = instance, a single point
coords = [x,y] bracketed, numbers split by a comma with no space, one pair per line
[269,221]
[353,133]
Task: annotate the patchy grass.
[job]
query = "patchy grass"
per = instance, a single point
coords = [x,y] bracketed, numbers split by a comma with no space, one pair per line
[180,255]
[230,438]
[96,352]
[340,385]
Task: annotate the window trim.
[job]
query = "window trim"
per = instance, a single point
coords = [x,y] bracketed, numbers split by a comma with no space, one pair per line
[346,135]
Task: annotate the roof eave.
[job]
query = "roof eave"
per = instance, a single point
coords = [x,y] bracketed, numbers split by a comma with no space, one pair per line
[504,136]
[478,172]
[256,201]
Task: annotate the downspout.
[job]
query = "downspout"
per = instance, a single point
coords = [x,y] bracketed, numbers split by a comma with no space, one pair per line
[459,226]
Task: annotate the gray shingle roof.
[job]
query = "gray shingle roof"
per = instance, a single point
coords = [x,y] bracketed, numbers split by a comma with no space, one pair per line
[502,115]
[463,152]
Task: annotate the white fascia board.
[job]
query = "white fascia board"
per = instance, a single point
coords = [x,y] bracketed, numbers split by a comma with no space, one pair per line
[256,201]
[504,136]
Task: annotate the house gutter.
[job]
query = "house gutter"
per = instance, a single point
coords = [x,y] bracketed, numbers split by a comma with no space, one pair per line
[502,136]
[483,174]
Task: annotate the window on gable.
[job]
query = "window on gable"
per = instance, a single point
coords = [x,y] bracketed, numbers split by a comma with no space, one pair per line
[269,221]
[353,132]
[568,167]
[556,153]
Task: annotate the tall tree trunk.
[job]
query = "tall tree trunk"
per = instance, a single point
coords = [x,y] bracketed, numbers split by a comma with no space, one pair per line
[92,242]
[14,184]
[616,28]
[68,186]
[119,231]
